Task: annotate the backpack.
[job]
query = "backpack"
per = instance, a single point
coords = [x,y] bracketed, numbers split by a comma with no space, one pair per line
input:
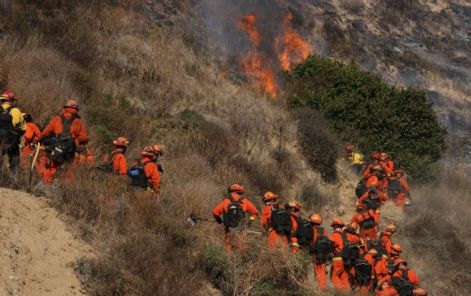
[234,214]
[138,175]
[394,187]
[376,244]
[368,221]
[6,126]
[350,252]
[361,188]
[362,272]
[281,221]
[372,203]
[304,232]
[402,284]
[63,147]
[323,246]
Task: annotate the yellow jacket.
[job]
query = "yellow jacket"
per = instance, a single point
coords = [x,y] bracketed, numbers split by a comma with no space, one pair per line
[357,158]
[18,120]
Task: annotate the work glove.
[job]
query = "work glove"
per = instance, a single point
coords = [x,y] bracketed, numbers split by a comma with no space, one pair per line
[218,220]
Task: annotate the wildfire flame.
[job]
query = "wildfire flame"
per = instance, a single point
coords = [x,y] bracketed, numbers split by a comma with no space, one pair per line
[255,64]
[295,49]
[291,49]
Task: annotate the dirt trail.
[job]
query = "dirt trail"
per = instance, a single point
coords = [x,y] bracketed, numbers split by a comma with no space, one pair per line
[37,253]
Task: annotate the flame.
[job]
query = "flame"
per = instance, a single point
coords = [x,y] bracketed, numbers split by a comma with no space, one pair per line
[255,64]
[294,48]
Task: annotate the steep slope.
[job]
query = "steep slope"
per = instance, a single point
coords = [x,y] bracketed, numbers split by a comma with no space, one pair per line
[38,253]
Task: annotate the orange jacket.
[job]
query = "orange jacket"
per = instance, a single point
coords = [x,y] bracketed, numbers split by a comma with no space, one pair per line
[32,133]
[266,216]
[336,238]
[370,259]
[404,184]
[388,166]
[246,205]
[381,269]
[413,278]
[315,231]
[353,238]
[77,128]
[386,241]
[366,215]
[152,173]
[120,165]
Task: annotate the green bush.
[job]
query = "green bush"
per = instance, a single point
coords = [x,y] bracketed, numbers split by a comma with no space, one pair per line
[384,117]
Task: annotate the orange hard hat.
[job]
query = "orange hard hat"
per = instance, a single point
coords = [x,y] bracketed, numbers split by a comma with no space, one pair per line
[293,205]
[152,151]
[237,188]
[376,156]
[400,261]
[71,104]
[269,196]
[396,248]
[391,228]
[373,252]
[337,221]
[361,207]
[8,95]
[121,141]
[354,226]
[316,219]
[419,292]
[383,156]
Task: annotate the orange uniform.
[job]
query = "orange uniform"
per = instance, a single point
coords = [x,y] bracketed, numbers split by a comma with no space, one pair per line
[275,239]
[294,227]
[231,240]
[368,221]
[411,276]
[388,166]
[381,186]
[403,191]
[118,161]
[31,135]
[386,241]
[319,267]
[338,275]
[381,269]
[152,173]
[47,167]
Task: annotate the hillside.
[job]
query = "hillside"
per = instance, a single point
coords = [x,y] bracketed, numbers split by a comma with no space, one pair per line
[193,76]
[38,252]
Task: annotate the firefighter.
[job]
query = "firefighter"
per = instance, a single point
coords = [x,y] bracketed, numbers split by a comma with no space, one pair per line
[276,220]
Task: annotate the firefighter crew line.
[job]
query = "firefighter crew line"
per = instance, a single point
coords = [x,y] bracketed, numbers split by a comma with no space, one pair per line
[61,147]
[359,259]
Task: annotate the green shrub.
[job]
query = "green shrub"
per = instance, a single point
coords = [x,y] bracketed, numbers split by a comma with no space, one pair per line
[386,118]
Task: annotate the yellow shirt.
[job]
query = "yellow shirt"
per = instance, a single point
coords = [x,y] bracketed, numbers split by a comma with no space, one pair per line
[357,158]
[17,117]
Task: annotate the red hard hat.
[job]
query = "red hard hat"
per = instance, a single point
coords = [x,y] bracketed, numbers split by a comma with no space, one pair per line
[269,196]
[8,94]
[383,156]
[376,167]
[121,141]
[72,104]
[337,221]
[361,207]
[376,156]
[237,187]
[396,248]
[316,219]
[354,226]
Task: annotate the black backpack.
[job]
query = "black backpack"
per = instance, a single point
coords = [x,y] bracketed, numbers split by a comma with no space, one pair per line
[322,247]
[376,244]
[362,272]
[372,203]
[6,126]
[367,223]
[402,284]
[361,188]
[138,175]
[281,220]
[394,188]
[350,252]
[304,233]
[62,147]
[234,214]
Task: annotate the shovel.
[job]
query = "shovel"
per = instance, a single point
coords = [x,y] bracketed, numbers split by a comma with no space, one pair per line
[193,220]
[33,162]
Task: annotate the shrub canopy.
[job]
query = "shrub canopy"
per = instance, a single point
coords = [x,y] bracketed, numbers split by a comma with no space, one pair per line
[365,110]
